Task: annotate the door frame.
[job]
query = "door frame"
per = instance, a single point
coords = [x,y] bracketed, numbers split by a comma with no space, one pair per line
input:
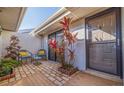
[118,38]
[49,47]
[54,33]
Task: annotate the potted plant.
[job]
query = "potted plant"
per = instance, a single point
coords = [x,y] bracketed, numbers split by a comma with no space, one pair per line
[37,63]
[67,45]
[9,62]
[7,68]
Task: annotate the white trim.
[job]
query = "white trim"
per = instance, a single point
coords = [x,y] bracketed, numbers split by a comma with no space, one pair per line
[51,20]
[23,10]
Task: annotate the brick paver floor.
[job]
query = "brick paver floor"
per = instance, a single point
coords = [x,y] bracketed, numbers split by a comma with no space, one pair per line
[47,74]
[31,75]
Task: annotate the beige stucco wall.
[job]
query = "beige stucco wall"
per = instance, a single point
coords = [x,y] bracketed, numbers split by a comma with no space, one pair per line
[80,55]
[0,46]
[4,42]
[27,41]
[122,11]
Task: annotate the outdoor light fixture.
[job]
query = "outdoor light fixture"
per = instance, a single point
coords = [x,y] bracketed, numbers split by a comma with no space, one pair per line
[0,29]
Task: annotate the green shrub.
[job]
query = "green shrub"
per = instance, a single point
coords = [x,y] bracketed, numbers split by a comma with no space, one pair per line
[5,71]
[7,65]
[10,62]
[37,63]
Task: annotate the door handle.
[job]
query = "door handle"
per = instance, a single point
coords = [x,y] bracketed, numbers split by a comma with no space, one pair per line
[118,42]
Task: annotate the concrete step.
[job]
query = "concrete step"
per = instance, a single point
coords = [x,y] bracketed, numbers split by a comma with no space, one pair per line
[104,75]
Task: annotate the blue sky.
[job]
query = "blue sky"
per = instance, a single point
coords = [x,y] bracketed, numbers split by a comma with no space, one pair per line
[34,16]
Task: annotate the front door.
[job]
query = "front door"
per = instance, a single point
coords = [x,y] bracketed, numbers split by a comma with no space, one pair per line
[103,42]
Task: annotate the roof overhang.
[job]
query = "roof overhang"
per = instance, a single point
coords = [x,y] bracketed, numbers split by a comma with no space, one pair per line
[52,24]
[51,21]
[11,18]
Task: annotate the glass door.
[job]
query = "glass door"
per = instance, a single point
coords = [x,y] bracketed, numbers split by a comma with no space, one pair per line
[52,54]
[59,38]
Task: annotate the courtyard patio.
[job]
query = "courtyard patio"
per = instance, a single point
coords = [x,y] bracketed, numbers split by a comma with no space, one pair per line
[55,53]
[47,74]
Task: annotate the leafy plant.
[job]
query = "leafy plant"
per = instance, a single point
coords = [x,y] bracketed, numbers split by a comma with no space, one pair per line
[13,48]
[66,66]
[58,49]
[70,38]
[37,63]
[7,66]
[10,62]
[5,71]
[67,43]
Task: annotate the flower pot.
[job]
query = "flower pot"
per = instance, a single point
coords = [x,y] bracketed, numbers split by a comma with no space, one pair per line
[11,75]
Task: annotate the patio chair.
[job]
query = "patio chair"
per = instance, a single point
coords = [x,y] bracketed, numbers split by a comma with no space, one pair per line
[25,55]
[41,54]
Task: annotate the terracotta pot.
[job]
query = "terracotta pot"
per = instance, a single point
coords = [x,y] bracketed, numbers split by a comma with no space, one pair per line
[7,76]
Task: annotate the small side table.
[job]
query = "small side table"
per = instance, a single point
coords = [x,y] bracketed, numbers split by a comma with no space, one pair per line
[35,58]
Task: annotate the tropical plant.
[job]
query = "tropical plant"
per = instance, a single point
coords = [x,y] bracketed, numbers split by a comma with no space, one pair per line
[67,43]
[5,69]
[37,63]
[58,48]
[10,62]
[13,48]
[70,39]
[7,66]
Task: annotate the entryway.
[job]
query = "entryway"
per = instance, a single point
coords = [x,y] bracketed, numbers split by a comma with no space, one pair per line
[103,41]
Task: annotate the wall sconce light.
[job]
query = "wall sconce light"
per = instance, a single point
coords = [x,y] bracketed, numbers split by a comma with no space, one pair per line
[0,30]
